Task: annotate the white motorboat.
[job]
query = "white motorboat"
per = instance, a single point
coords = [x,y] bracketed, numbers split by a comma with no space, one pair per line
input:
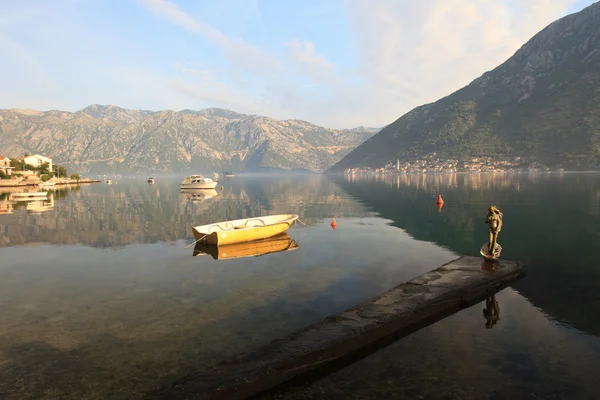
[197,182]
[47,184]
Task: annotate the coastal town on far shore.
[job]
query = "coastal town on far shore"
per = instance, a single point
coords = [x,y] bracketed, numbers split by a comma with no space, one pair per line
[34,169]
[431,164]
[21,179]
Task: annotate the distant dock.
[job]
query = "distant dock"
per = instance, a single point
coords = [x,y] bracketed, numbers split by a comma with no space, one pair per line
[339,340]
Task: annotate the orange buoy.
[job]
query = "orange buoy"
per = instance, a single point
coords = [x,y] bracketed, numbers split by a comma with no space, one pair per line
[439,199]
[333,224]
[439,206]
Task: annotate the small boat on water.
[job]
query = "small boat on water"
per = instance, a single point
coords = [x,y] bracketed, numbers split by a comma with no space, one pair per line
[228,174]
[243,230]
[151,181]
[275,244]
[47,184]
[197,182]
[108,182]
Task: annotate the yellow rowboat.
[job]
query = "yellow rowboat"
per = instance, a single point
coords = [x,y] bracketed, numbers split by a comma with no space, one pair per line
[243,230]
[275,244]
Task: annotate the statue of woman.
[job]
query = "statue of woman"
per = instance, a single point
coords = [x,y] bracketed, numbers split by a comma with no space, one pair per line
[494,222]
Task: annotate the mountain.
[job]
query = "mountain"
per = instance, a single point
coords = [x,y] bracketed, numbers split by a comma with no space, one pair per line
[543,103]
[102,138]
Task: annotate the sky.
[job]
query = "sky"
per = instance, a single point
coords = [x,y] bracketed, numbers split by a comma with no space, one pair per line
[335,63]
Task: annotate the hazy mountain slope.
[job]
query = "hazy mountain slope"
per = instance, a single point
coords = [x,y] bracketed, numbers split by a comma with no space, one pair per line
[543,102]
[108,137]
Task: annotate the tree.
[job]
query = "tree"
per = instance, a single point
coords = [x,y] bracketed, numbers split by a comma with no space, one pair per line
[75,176]
[44,168]
[60,171]
[17,165]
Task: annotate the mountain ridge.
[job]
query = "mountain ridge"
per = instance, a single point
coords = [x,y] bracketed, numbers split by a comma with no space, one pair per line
[111,138]
[542,102]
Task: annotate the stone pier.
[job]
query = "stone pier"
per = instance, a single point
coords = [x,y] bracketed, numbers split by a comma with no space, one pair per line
[339,340]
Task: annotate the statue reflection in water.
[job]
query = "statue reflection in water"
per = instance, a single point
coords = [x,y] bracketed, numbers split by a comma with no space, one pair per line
[491,251]
[491,312]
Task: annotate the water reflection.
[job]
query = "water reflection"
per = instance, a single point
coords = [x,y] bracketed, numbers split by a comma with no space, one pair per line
[113,216]
[550,220]
[31,200]
[79,320]
[276,244]
[491,312]
[473,181]
[198,194]
[525,355]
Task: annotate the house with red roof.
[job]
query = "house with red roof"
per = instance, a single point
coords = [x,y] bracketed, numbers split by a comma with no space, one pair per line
[37,160]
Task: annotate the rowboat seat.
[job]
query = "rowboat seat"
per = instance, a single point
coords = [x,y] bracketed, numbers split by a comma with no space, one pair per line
[251,223]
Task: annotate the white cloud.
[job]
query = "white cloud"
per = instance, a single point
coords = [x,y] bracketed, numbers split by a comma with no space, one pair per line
[410,53]
[416,52]
[239,52]
[305,53]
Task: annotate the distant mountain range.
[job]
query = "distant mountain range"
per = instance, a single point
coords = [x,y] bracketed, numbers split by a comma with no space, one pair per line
[103,138]
[543,102]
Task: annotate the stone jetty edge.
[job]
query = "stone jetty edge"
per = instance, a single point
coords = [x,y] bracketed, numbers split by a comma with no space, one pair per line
[337,341]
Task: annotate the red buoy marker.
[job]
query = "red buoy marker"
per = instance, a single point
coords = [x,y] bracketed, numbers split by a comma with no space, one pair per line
[333,224]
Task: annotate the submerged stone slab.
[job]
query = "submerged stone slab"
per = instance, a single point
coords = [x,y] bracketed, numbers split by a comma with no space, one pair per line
[341,339]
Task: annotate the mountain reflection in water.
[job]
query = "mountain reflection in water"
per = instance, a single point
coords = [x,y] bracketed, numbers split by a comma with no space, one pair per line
[100,298]
[549,221]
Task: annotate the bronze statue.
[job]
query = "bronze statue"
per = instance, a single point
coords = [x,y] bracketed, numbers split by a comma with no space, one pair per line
[494,222]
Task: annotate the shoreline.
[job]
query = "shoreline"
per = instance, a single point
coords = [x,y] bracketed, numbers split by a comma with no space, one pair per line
[3,184]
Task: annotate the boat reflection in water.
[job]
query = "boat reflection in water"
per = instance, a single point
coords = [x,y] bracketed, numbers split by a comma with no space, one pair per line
[198,194]
[33,202]
[275,244]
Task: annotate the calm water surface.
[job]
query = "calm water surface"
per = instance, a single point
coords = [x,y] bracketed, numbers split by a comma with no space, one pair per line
[101,298]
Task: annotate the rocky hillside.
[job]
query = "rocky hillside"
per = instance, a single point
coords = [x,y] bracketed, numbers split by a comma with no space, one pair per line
[543,102]
[108,138]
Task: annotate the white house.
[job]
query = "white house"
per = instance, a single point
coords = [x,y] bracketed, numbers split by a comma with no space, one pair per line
[37,160]
[5,165]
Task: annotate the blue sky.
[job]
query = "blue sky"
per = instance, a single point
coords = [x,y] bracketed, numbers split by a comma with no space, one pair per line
[336,63]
